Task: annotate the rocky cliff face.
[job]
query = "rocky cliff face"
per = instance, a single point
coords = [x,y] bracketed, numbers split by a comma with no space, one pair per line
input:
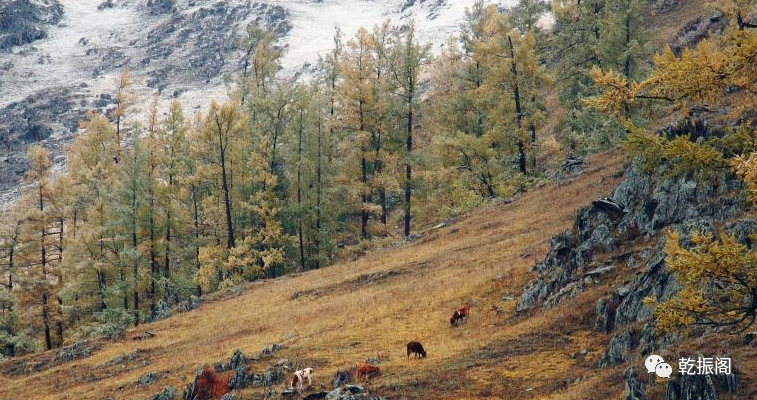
[640,209]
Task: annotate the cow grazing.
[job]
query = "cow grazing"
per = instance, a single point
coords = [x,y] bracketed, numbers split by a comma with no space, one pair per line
[299,377]
[416,348]
[460,315]
[209,385]
[366,371]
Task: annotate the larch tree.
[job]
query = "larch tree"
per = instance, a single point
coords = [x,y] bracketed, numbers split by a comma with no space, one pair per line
[43,277]
[357,102]
[174,147]
[124,102]
[407,64]
[716,272]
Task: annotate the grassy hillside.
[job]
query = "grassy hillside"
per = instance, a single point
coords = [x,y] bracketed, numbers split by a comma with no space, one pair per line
[374,305]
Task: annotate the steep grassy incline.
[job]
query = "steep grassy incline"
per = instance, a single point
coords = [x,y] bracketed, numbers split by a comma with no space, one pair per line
[372,306]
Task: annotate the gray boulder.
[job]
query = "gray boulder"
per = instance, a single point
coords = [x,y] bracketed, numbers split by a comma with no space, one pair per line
[25,21]
[691,387]
[147,379]
[167,394]
[620,348]
[348,392]
[634,390]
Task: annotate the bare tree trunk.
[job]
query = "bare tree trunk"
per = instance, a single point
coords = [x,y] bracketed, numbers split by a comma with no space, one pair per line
[230,242]
[408,168]
[59,322]
[364,179]
[518,109]
[299,195]
[46,321]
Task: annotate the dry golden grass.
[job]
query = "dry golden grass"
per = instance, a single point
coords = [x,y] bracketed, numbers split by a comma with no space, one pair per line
[340,319]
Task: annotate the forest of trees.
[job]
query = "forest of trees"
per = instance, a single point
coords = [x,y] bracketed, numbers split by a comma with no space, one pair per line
[156,206]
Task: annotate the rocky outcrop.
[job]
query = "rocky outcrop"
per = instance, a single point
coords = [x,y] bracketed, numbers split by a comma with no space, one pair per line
[699,29]
[571,167]
[700,387]
[634,390]
[350,392]
[195,45]
[50,117]
[157,7]
[637,207]
[24,21]
[241,376]
[167,394]
[147,379]
[623,310]
[681,387]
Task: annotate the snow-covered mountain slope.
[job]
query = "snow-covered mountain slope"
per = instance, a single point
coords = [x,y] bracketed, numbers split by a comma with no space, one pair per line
[181,48]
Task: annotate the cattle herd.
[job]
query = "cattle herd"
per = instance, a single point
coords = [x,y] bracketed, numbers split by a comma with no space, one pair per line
[366,371]
[210,384]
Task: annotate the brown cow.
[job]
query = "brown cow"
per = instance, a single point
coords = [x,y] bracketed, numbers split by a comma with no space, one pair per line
[211,385]
[461,314]
[366,370]
[416,348]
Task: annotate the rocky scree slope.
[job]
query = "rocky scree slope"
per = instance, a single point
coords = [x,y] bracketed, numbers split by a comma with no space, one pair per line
[25,21]
[173,46]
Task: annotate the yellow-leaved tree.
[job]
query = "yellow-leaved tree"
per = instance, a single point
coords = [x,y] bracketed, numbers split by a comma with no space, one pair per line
[717,79]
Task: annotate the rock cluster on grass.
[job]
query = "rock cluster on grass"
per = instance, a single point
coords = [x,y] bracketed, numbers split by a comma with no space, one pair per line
[350,392]
[74,352]
[241,377]
[570,168]
[167,394]
[634,390]
[147,379]
[681,387]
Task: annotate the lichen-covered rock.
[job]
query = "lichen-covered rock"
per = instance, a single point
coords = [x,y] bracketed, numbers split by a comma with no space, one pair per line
[699,29]
[348,392]
[619,348]
[639,206]
[691,387]
[162,311]
[569,168]
[147,379]
[634,390]
[167,394]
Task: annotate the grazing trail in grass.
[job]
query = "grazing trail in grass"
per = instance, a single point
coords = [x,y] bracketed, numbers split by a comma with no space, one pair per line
[373,306]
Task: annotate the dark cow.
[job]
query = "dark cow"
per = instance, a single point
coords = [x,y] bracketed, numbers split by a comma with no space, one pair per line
[417,349]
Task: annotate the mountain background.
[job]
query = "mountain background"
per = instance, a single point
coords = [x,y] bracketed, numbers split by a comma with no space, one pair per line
[61,58]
